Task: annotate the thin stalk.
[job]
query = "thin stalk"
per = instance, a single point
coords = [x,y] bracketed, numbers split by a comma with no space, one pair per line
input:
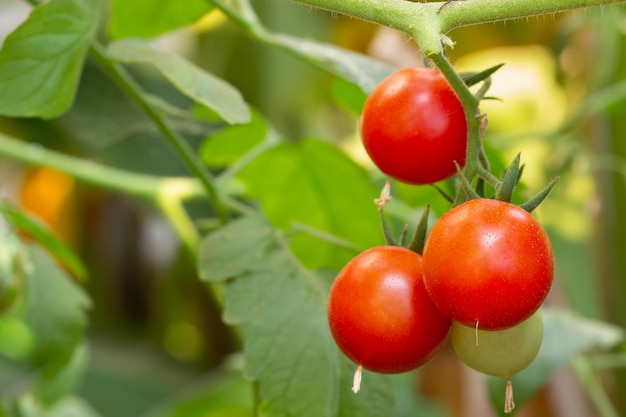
[123,79]
[593,387]
[474,165]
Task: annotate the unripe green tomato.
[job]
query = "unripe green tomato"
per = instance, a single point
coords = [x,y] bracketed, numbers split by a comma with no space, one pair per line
[501,353]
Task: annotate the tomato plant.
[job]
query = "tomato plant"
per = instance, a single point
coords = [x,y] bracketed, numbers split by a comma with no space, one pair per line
[413,126]
[488,264]
[212,194]
[379,312]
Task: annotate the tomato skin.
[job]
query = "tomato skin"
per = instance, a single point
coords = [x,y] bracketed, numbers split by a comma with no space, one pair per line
[379,312]
[413,126]
[488,262]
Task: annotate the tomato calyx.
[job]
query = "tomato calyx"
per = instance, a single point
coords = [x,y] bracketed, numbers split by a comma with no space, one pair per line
[505,187]
[419,237]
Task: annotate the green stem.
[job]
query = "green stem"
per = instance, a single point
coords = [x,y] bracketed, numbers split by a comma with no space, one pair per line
[427,17]
[121,77]
[167,193]
[474,160]
[593,387]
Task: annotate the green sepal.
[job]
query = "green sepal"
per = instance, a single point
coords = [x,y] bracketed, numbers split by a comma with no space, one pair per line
[509,181]
[534,202]
[419,238]
[387,233]
[466,186]
[403,235]
[472,78]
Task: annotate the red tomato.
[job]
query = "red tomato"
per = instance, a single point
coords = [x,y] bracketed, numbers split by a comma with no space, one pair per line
[413,126]
[488,263]
[380,314]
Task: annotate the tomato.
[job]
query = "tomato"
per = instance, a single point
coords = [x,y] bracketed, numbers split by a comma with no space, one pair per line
[413,126]
[501,353]
[379,312]
[488,263]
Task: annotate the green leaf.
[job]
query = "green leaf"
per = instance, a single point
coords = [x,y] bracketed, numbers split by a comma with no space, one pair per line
[288,346]
[191,80]
[54,310]
[148,18]
[42,235]
[227,146]
[566,335]
[348,96]
[314,183]
[351,66]
[359,69]
[41,61]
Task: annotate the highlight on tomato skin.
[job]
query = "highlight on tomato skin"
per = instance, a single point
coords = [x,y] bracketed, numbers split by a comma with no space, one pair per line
[380,315]
[488,263]
[413,126]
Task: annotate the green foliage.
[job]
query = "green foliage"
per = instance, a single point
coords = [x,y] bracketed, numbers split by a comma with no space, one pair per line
[225,148]
[40,233]
[147,18]
[197,84]
[269,274]
[326,190]
[289,350]
[41,61]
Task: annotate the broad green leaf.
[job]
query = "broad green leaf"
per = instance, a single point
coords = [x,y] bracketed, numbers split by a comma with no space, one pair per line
[566,335]
[315,184]
[41,61]
[227,146]
[53,309]
[353,67]
[288,346]
[40,233]
[148,18]
[191,80]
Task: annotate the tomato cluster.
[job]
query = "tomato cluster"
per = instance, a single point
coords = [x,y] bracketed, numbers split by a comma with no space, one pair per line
[486,266]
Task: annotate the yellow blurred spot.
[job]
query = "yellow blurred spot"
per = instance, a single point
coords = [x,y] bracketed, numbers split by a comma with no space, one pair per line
[183,341]
[530,97]
[47,194]
[210,21]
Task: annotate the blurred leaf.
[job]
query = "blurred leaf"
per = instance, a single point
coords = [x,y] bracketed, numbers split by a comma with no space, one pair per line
[288,345]
[356,68]
[192,81]
[51,390]
[68,407]
[314,183]
[222,149]
[42,235]
[227,394]
[41,61]
[54,309]
[348,96]
[566,335]
[148,18]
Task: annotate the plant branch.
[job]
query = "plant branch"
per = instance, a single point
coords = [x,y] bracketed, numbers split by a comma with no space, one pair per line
[121,77]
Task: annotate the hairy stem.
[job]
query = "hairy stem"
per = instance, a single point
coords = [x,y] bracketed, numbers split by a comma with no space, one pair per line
[119,75]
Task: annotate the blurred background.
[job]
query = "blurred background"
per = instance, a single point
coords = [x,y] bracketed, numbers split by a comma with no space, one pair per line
[154,332]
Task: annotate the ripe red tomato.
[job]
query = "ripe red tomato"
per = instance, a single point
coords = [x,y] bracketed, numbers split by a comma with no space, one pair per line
[413,126]
[488,263]
[380,314]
